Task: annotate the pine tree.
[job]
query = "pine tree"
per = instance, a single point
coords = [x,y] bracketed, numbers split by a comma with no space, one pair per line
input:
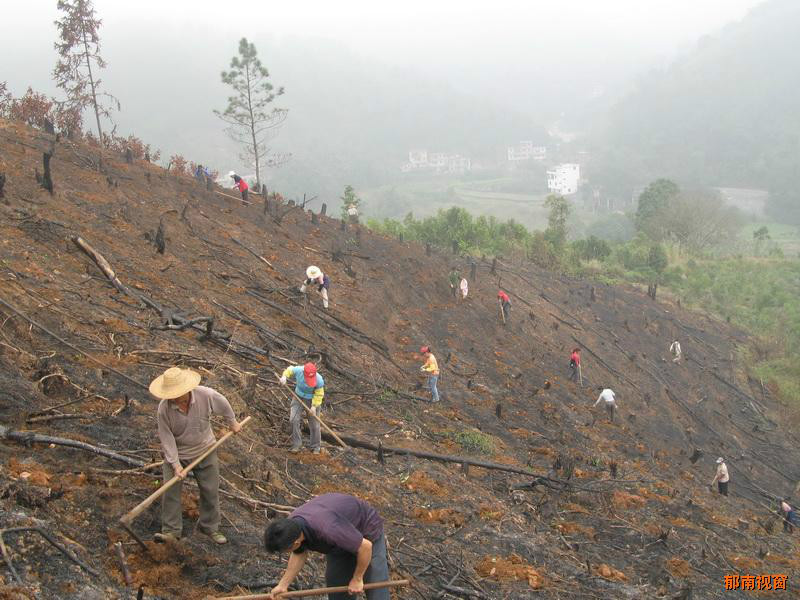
[79,49]
[250,121]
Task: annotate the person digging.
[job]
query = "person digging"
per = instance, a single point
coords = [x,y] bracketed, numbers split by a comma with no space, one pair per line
[675,350]
[609,399]
[505,305]
[575,364]
[184,430]
[721,477]
[344,528]
[431,368]
[454,279]
[316,278]
[309,385]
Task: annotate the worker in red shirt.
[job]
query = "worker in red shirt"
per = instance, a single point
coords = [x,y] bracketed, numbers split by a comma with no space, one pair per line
[505,304]
[240,184]
[574,363]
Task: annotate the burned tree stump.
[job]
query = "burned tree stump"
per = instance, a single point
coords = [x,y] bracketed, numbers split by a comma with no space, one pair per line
[160,241]
[49,127]
[651,290]
[358,236]
[324,210]
[498,410]
[147,156]
[314,218]
[427,249]
[473,271]
[147,176]
[592,295]
[209,184]
[47,180]
[455,246]
[2,184]
[129,156]
[494,266]
[343,225]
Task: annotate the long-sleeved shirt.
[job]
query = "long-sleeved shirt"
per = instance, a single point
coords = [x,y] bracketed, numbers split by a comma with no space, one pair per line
[187,436]
[302,389]
[337,521]
[576,358]
[721,475]
[503,297]
[431,366]
[675,348]
[607,395]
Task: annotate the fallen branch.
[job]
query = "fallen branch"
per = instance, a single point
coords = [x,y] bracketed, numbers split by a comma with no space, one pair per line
[27,437]
[65,551]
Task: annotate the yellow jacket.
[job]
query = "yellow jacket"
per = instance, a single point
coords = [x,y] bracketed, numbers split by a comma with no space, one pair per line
[431,366]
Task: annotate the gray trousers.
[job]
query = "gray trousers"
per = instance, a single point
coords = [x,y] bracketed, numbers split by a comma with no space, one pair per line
[296,419]
[340,567]
[207,476]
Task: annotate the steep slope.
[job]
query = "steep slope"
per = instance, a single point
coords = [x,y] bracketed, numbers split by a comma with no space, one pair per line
[608,510]
[723,115]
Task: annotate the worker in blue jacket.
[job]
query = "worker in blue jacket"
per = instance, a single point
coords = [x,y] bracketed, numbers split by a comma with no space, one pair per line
[310,386]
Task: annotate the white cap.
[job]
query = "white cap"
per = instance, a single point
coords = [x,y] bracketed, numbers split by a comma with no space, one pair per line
[720,460]
[231,174]
[313,272]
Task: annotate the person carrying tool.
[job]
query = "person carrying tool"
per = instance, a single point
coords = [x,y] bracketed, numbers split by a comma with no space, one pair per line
[239,184]
[574,364]
[184,430]
[721,477]
[505,304]
[675,349]
[788,516]
[344,528]
[310,386]
[453,278]
[431,367]
[315,277]
[464,287]
[609,398]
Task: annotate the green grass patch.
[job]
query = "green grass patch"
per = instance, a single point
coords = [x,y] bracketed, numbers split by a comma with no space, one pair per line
[473,441]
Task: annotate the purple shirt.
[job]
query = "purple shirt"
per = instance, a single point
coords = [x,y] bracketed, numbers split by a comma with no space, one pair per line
[337,521]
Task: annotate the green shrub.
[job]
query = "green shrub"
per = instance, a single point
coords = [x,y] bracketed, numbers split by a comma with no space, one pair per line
[473,441]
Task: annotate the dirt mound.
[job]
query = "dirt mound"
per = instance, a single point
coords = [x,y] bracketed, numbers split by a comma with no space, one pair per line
[563,499]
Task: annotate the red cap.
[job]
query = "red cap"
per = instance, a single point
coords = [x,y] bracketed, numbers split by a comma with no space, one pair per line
[310,374]
[424,349]
[500,294]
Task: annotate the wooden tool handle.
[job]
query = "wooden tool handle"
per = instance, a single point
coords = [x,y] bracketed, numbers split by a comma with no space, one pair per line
[319,591]
[140,508]
[314,415]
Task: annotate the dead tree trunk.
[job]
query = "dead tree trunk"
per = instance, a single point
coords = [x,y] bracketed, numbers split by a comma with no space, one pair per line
[427,249]
[128,156]
[161,243]
[494,266]
[2,184]
[47,180]
[473,271]
[49,127]
[314,218]
[324,210]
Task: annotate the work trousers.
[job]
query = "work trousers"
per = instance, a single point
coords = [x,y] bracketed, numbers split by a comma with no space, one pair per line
[244,195]
[611,408]
[296,419]
[722,486]
[341,564]
[573,372]
[323,293]
[433,380]
[207,476]
[507,311]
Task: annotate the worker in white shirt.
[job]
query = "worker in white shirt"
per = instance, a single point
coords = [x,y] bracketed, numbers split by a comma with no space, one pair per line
[721,478]
[788,516]
[675,349]
[610,399]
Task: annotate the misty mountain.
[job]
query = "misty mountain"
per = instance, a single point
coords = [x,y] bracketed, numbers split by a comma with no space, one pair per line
[351,120]
[723,115]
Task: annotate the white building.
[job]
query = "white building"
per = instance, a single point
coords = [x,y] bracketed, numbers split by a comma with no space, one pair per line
[438,162]
[526,151]
[564,179]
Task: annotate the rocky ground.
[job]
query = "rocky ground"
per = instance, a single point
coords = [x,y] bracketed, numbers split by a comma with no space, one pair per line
[594,510]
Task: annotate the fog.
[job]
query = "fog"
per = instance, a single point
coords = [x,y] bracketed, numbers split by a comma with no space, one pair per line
[368,81]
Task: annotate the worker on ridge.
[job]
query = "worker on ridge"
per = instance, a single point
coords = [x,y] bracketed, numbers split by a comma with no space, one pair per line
[675,349]
[239,184]
[721,477]
[464,287]
[310,386]
[352,214]
[431,367]
[184,430]
[453,278]
[574,364]
[787,512]
[315,277]
[505,304]
[344,528]
[607,395]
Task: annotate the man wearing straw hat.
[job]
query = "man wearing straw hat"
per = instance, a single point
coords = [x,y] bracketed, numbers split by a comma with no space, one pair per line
[315,277]
[184,429]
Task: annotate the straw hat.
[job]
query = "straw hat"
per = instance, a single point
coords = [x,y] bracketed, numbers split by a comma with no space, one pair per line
[313,272]
[174,383]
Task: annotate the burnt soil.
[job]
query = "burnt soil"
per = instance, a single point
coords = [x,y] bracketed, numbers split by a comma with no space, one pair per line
[625,513]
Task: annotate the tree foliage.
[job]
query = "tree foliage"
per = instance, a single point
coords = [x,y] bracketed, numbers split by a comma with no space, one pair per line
[559,209]
[36,109]
[349,198]
[653,205]
[251,121]
[78,49]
